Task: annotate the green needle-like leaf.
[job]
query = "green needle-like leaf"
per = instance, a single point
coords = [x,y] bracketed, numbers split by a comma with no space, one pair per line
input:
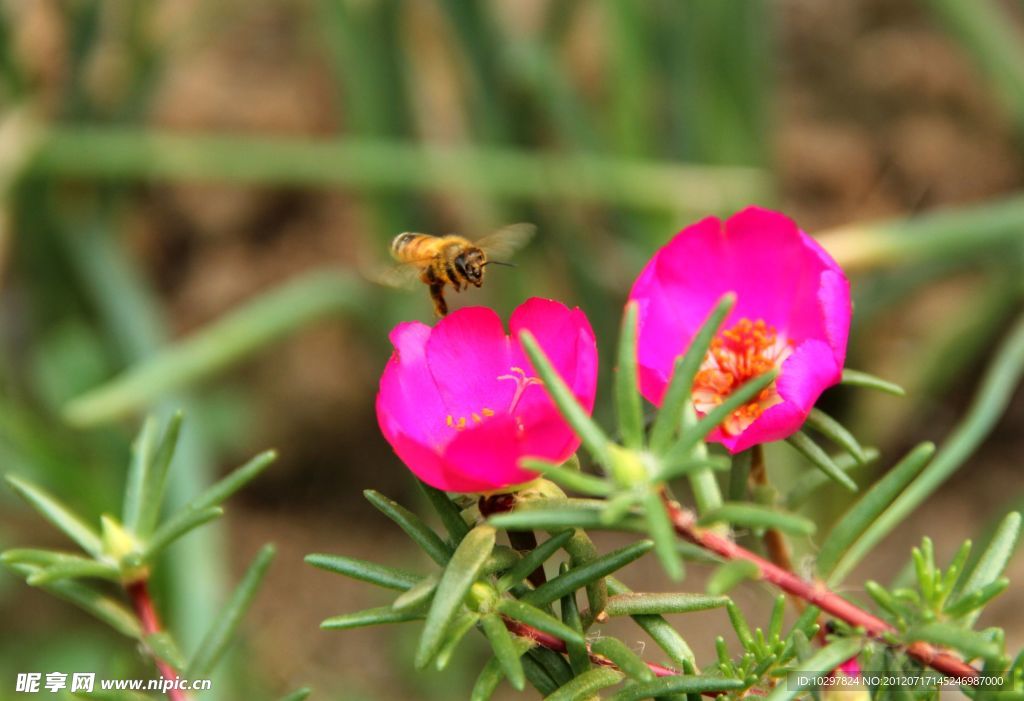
[730,574]
[450,514]
[831,560]
[590,433]
[532,560]
[138,473]
[677,395]
[807,484]
[681,684]
[970,643]
[107,609]
[569,478]
[154,483]
[505,650]
[60,516]
[298,695]
[463,622]
[462,570]
[693,435]
[820,459]
[690,466]
[533,616]
[556,514]
[974,601]
[579,657]
[370,617]
[740,625]
[234,481]
[837,433]
[72,567]
[220,632]
[371,572]
[627,393]
[586,685]
[856,378]
[660,604]
[538,674]
[176,526]
[661,631]
[163,647]
[993,560]
[627,660]
[421,534]
[757,516]
[579,577]
[820,663]
[660,528]
[419,594]
[492,673]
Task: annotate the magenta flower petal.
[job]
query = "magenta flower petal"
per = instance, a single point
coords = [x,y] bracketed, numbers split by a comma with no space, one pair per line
[792,314]
[461,406]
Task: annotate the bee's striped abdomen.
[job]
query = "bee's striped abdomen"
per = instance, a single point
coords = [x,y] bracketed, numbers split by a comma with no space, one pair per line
[409,246]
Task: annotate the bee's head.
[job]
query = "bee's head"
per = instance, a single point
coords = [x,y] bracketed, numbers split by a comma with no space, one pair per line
[471,264]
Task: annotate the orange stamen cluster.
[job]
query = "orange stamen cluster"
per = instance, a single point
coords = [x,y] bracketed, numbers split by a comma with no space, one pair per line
[740,353]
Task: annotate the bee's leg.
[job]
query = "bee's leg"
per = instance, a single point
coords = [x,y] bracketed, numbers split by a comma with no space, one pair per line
[437,295]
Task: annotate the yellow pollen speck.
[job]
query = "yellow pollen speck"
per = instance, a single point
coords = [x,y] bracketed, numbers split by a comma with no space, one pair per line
[476,417]
[462,422]
[449,422]
[487,412]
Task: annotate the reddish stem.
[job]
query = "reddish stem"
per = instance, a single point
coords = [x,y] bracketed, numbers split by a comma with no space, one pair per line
[146,612]
[817,594]
[558,645]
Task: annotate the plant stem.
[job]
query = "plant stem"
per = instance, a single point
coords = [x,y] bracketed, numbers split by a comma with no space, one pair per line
[816,594]
[774,541]
[144,609]
[558,645]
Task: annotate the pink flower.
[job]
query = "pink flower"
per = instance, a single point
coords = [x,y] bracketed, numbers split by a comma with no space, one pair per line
[792,313]
[461,405]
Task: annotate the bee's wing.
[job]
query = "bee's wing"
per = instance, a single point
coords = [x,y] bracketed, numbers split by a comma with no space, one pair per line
[507,240]
[401,275]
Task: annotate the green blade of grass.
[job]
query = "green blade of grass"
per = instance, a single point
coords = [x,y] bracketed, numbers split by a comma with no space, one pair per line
[461,571]
[221,630]
[175,527]
[382,576]
[990,401]
[532,560]
[633,604]
[533,616]
[579,577]
[104,607]
[448,512]
[627,392]
[837,433]
[570,478]
[369,617]
[661,631]
[586,685]
[505,650]
[856,378]
[862,514]
[60,516]
[757,516]
[820,459]
[421,534]
[238,334]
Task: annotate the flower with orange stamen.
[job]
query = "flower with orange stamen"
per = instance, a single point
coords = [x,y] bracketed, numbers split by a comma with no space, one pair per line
[461,405]
[792,314]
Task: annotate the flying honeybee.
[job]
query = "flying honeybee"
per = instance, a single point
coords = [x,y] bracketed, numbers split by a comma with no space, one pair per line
[451,260]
